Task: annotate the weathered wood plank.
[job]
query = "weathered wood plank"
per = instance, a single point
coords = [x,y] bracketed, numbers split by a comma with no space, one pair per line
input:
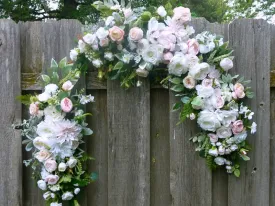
[251,41]
[160,160]
[10,87]
[97,147]
[129,145]
[272,120]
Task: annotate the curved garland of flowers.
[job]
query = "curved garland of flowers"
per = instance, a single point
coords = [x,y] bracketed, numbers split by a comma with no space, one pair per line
[129,44]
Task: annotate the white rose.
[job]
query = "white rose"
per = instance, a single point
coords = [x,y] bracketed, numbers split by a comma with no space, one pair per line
[142,72]
[135,34]
[67,196]
[219,160]
[72,162]
[189,82]
[90,39]
[43,97]
[55,204]
[52,179]
[62,167]
[47,195]
[76,191]
[42,184]
[224,132]
[221,150]
[199,71]
[253,127]
[234,147]
[226,64]
[161,11]
[213,152]
[42,155]
[102,33]
[67,86]
[81,46]
[227,117]
[178,65]
[50,165]
[127,12]
[73,54]
[51,89]
[208,121]
[204,92]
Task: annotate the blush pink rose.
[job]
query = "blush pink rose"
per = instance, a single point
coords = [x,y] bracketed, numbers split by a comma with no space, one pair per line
[220,102]
[116,34]
[52,179]
[213,138]
[167,57]
[67,86]
[207,82]
[66,104]
[135,34]
[182,15]
[50,165]
[104,42]
[193,46]
[239,90]
[34,109]
[189,82]
[42,155]
[237,127]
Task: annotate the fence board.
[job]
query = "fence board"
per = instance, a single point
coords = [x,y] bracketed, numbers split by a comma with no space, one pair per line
[272,121]
[97,147]
[160,158]
[251,41]
[10,86]
[129,145]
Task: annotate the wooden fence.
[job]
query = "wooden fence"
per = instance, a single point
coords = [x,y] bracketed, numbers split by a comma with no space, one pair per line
[142,157]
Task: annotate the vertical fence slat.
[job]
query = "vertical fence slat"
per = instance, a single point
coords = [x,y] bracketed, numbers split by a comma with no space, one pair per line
[40,42]
[10,147]
[272,121]
[97,147]
[129,145]
[251,41]
[160,160]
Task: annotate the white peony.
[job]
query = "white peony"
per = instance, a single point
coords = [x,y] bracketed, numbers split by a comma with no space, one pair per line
[226,64]
[161,11]
[42,184]
[219,160]
[73,54]
[178,65]
[199,71]
[253,128]
[152,54]
[51,89]
[204,91]
[227,116]
[224,132]
[208,121]
[43,97]
[72,162]
[67,196]
[102,33]
[51,114]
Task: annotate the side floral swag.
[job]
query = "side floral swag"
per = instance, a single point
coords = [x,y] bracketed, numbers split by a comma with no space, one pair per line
[127,45]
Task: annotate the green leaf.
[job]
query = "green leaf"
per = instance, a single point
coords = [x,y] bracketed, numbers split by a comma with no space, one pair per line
[244,157]
[54,63]
[76,203]
[29,146]
[26,141]
[55,78]
[24,99]
[237,172]
[177,88]
[63,63]
[88,131]
[66,178]
[94,176]
[58,108]
[62,95]
[118,65]
[176,80]
[176,106]
[185,99]
[45,78]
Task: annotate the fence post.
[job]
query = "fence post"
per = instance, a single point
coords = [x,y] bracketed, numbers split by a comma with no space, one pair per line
[10,87]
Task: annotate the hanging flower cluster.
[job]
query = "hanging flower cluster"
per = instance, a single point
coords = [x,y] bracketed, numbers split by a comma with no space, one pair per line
[129,44]
[54,134]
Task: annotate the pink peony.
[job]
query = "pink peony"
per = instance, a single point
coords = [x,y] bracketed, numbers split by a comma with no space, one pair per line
[167,40]
[237,127]
[34,109]
[193,46]
[50,165]
[66,104]
[116,34]
[135,34]
[239,91]
[182,15]
[52,179]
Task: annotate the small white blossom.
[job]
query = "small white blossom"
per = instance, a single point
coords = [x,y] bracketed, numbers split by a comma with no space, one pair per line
[161,11]
[67,196]
[97,63]
[76,191]
[253,128]
[42,184]
[109,56]
[86,99]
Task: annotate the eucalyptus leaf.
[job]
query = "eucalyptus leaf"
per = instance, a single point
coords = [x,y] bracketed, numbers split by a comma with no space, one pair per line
[63,63]
[54,63]
[29,146]
[177,88]
[175,80]
[88,131]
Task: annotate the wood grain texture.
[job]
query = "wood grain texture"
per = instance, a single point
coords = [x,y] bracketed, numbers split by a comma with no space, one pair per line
[10,87]
[97,147]
[250,40]
[129,145]
[160,150]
